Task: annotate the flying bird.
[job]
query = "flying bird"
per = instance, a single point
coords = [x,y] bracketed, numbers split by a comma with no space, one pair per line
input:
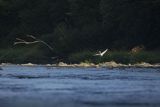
[101,53]
[21,41]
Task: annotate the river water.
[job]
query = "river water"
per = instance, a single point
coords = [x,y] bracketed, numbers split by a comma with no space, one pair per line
[42,86]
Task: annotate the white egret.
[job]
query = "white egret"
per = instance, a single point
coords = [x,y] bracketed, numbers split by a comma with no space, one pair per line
[21,41]
[101,53]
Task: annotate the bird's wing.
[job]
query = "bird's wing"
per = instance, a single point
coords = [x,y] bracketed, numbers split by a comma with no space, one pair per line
[31,36]
[104,52]
[46,45]
[20,40]
[96,54]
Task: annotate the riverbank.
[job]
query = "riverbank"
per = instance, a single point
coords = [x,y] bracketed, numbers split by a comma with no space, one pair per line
[23,56]
[111,64]
[123,57]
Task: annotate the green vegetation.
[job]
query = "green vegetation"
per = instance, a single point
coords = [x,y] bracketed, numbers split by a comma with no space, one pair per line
[39,55]
[23,55]
[72,26]
[117,56]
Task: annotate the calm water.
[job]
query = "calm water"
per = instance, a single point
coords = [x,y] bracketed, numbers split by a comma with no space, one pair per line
[79,87]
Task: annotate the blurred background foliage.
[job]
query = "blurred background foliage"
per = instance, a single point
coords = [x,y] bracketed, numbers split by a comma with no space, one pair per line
[71,26]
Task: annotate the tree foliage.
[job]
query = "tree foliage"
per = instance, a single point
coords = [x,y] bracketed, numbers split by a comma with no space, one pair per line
[75,25]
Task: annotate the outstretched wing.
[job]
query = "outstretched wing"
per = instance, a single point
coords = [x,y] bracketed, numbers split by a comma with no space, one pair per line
[104,52]
[96,55]
[31,36]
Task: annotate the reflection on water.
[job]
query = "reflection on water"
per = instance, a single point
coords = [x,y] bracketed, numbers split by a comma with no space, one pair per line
[82,87]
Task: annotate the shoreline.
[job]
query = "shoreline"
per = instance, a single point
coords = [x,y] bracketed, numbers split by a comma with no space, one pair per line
[110,64]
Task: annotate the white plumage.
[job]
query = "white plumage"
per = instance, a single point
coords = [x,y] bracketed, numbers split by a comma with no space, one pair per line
[101,53]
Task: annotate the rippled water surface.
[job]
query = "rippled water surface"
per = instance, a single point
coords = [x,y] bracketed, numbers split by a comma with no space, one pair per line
[79,87]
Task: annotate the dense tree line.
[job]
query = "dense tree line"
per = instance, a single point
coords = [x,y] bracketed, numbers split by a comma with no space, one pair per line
[75,25]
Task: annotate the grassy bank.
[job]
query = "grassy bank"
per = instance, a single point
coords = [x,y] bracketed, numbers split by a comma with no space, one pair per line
[38,55]
[23,55]
[124,57]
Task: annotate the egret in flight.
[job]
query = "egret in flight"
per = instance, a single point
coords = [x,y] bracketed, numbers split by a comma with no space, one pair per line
[101,53]
[21,41]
